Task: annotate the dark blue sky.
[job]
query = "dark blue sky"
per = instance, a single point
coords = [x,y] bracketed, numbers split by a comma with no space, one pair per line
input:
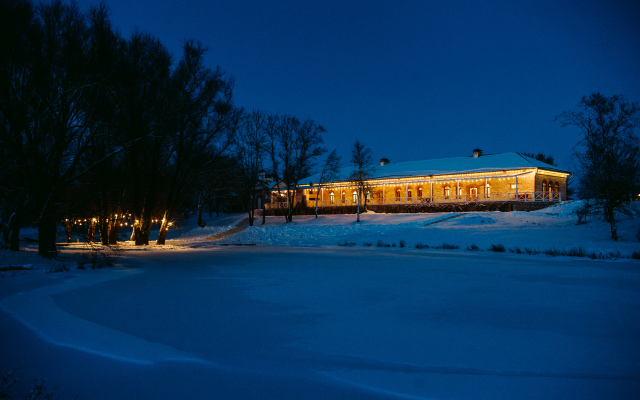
[412,79]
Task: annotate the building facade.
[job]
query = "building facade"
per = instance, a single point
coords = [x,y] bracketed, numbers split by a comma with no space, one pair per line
[479,178]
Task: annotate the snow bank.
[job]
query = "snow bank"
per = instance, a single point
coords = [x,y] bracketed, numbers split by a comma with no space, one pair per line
[550,228]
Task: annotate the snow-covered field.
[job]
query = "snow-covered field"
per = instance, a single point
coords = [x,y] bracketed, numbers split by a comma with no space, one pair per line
[550,228]
[298,317]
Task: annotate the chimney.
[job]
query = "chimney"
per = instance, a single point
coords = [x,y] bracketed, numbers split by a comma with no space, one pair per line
[384,161]
[477,153]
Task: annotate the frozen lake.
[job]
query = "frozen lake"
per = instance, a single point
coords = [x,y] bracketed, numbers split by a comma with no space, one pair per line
[263,322]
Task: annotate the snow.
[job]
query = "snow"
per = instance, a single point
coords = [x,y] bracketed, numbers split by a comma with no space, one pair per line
[446,166]
[297,316]
[550,228]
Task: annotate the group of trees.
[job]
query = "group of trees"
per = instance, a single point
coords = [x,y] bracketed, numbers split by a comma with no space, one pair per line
[108,130]
[285,146]
[93,124]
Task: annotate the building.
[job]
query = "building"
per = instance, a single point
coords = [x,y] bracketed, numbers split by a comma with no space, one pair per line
[504,177]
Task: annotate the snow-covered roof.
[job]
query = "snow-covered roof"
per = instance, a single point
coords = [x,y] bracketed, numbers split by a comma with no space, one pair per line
[446,166]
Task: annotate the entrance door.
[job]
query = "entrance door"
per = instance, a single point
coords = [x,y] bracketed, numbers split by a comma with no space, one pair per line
[474,193]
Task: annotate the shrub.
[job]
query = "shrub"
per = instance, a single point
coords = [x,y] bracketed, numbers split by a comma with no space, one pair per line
[402,244]
[346,244]
[473,247]
[368,244]
[108,261]
[638,235]
[576,252]
[421,246]
[531,251]
[96,258]
[636,255]
[380,244]
[516,250]
[39,390]
[57,267]
[447,246]
[552,252]
[6,382]
[583,212]
[498,248]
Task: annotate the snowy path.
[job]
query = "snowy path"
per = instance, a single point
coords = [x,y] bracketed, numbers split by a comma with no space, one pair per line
[341,323]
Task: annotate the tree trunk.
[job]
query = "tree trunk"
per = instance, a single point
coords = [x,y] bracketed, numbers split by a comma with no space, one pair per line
[358,209]
[610,217]
[164,229]
[67,229]
[201,203]
[162,235]
[47,236]
[614,229]
[103,229]
[14,231]
[251,211]
[114,230]
[201,222]
[142,228]
[91,231]
[290,200]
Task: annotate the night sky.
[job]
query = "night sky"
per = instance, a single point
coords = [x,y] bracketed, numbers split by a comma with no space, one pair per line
[413,80]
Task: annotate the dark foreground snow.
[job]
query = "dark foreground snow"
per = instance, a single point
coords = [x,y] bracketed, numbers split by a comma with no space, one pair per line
[326,323]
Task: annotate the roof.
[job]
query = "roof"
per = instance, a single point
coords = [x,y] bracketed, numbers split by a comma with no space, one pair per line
[447,166]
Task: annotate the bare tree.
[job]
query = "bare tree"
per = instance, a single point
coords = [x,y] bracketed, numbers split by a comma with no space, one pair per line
[249,149]
[362,169]
[608,154]
[293,147]
[329,173]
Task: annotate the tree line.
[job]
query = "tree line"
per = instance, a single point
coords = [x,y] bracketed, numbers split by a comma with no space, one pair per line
[109,131]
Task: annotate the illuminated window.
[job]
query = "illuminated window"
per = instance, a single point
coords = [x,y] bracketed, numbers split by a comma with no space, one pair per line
[398,194]
[544,186]
[557,187]
[447,190]
[419,192]
[368,195]
[409,193]
[332,198]
[355,196]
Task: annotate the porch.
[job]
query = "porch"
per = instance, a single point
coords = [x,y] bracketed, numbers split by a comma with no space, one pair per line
[526,197]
